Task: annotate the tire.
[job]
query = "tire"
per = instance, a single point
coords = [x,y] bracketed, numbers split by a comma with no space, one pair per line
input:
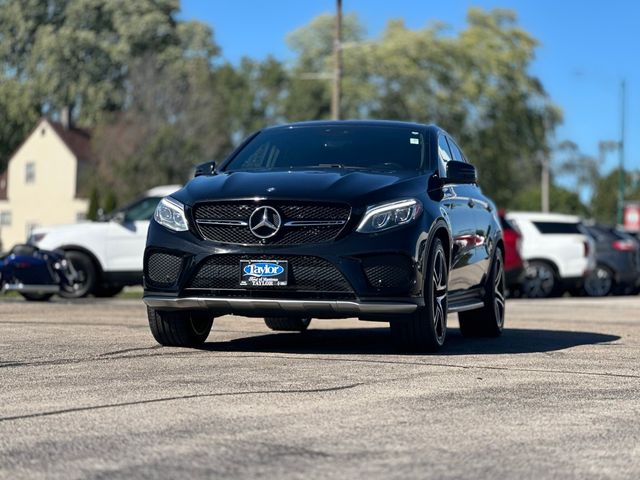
[37,297]
[488,321]
[179,328]
[288,324]
[540,280]
[86,273]
[599,283]
[426,329]
[106,291]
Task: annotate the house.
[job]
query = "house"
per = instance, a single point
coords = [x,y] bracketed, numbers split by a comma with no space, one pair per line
[45,181]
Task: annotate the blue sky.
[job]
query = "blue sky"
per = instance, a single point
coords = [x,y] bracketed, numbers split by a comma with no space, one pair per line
[587,48]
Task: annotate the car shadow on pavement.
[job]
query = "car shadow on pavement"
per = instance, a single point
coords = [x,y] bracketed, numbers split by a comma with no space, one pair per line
[378,341]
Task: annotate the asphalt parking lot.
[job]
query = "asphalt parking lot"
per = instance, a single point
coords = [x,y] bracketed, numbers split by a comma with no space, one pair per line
[86,393]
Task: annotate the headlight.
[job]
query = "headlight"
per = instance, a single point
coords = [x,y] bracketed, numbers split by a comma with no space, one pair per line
[170,213]
[389,215]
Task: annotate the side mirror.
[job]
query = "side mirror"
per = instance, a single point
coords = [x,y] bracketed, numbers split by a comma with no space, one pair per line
[460,172]
[206,169]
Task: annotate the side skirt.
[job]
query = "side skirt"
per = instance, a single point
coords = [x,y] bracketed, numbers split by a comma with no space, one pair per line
[466,300]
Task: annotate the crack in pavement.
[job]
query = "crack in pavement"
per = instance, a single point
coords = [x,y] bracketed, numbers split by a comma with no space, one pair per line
[127,350]
[446,365]
[109,356]
[174,398]
[73,324]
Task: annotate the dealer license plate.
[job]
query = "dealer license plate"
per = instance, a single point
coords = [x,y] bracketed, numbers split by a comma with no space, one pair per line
[263,273]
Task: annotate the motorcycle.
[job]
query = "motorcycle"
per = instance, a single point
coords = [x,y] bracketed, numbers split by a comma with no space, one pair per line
[36,274]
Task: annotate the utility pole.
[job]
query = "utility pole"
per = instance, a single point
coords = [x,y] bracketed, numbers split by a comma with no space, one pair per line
[621,153]
[544,182]
[337,70]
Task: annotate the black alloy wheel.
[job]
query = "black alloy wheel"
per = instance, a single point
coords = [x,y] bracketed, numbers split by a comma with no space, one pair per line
[426,329]
[488,321]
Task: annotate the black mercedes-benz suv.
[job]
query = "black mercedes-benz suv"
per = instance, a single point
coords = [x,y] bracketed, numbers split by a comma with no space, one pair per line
[378,220]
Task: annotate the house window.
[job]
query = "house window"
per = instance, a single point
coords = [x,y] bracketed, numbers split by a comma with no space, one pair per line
[5,218]
[30,172]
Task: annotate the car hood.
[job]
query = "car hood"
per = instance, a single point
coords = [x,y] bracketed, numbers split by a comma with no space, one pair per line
[354,187]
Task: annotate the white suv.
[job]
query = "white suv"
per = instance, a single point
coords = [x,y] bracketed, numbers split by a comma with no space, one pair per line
[558,252]
[106,254]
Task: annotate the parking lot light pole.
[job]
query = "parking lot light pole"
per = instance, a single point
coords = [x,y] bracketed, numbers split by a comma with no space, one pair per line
[621,154]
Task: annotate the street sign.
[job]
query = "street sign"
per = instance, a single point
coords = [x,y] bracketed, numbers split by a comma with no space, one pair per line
[632,217]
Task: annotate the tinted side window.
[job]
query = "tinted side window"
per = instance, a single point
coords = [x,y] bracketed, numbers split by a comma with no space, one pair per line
[554,228]
[455,151]
[443,149]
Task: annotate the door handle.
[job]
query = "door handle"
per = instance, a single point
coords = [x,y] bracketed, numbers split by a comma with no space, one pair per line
[471,203]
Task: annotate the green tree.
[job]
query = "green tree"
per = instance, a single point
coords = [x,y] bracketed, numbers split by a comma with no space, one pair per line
[561,200]
[583,169]
[94,204]
[476,84]
[78,55]
[175,119]
[604,202]
[252,94]
[309,91]
[110,202]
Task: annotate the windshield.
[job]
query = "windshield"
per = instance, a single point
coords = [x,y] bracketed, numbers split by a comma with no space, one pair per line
[348,147]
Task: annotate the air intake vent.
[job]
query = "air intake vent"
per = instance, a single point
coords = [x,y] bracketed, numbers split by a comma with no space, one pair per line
[388,272]
[163,269]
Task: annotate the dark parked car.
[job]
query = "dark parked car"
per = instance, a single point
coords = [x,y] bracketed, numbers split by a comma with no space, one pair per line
[378,220]
[617,262]
[514,266]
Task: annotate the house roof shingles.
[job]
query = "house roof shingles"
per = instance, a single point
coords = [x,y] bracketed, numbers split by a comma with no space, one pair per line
[77,139]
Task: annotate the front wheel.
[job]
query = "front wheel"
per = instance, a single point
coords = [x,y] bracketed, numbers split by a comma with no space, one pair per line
[426,329]
[487,321]
[179,328]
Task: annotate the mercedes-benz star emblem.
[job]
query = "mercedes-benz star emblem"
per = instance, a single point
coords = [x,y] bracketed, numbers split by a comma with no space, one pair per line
[265,222]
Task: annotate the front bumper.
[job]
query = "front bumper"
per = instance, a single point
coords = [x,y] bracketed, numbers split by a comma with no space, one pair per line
[261,307]
[341,287]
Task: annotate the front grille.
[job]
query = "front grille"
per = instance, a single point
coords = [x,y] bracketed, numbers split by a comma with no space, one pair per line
[388,272]
[222,272]
[163,268]
[240,212]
